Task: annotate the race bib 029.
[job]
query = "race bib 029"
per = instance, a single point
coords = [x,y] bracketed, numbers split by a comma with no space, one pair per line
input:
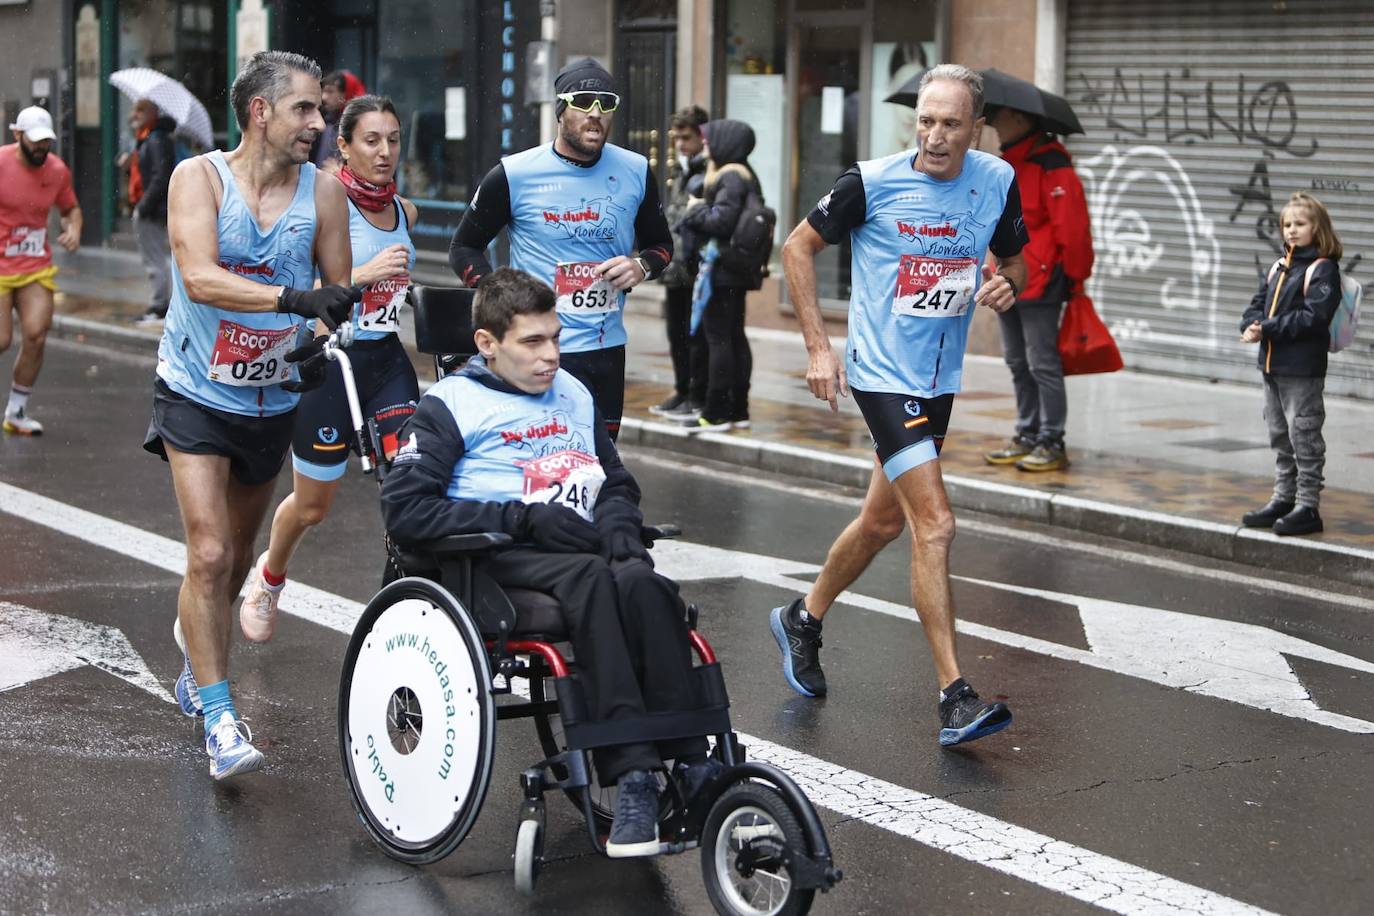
[568,478]
[251,357]
[26,242]
[380,309]
[583,291]
[934,287]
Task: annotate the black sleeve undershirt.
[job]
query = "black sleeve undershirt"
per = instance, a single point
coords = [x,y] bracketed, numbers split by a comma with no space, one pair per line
[1010,235]
[483,220]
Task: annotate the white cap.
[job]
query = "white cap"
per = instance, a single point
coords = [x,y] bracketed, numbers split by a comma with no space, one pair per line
[36,124]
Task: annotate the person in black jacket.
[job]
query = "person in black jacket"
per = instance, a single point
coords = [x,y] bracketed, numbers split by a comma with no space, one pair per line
[729,180]
[513,443]
[1290,317]
[153,160]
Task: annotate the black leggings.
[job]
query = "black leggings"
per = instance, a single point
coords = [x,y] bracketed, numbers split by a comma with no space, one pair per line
[731,361]
[688,350]
[603,372]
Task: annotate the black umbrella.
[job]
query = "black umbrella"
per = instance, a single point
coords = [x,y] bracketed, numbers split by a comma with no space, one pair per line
[907,94]
[1002,90]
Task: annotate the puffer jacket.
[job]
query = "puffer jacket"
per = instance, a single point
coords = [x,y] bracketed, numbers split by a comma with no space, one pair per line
[729,179]
[1296,327]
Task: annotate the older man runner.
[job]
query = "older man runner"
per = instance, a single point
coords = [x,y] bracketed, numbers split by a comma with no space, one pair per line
[919,223]
[574,210]
[33,182]
[249,229]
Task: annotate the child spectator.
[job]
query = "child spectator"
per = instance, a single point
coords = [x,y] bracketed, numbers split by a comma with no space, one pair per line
[1289,317]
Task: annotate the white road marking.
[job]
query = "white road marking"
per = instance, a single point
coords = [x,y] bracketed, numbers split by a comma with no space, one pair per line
[36,644]
[1040,536]
[1080,873]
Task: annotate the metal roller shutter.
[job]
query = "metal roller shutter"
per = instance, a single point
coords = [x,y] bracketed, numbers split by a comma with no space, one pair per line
[1202,116]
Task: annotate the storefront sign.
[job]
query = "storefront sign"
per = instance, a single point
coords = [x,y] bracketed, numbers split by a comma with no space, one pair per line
[87,68]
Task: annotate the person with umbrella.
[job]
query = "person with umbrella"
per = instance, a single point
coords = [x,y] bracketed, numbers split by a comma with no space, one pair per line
[150,174]
[1059,258]
[34,181]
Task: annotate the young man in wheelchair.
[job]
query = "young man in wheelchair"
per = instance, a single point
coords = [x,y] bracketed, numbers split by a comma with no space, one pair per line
[513,444]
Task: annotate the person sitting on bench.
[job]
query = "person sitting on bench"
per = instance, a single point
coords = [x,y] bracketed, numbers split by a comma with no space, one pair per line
[512,443]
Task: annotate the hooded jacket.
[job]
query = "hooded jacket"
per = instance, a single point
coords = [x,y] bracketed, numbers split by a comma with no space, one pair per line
[1060,253]
[729,179]
[157,156]
[1296,326]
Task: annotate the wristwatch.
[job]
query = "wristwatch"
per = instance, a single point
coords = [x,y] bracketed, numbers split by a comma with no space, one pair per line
[643,265]
[1015,293]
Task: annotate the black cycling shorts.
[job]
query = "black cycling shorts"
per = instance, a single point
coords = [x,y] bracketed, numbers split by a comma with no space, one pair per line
[907,431]
[387,392]
[255,446]
[603,372]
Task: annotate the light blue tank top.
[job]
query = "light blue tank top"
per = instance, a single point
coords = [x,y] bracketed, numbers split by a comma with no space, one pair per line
[375,316]
[917,262]
[503,432]
[232,361]
[576,216]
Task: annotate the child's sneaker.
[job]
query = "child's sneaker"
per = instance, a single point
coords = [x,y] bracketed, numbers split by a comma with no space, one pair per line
[229,744]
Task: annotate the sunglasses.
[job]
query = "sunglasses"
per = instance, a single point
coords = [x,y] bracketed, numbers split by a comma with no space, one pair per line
[583,101]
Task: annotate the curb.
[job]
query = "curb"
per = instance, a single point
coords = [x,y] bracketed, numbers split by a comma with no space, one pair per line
[1215,540]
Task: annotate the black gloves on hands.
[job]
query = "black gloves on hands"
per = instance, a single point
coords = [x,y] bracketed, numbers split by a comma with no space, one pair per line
[312,366]
[619,522]
[330,304]
[560,530]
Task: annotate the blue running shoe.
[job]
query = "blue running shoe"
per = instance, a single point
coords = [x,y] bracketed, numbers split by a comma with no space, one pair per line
[229,744]
[800,642]
[965,717]
[186,690]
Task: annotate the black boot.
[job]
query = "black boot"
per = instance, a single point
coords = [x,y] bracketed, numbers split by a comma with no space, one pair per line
[1302,520]
[1265,518]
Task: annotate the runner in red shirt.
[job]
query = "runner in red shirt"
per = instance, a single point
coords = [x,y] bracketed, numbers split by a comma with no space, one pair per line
[32,182]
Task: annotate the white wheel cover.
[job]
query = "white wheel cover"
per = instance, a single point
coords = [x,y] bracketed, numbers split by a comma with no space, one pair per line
[415,796]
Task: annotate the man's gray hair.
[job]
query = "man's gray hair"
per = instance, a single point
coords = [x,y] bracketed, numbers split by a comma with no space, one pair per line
[267,74]
[958,74]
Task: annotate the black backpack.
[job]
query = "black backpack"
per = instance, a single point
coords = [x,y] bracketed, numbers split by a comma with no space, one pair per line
[751,244]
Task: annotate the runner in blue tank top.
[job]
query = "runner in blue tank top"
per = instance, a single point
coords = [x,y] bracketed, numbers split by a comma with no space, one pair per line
[249,230]
[919,225]
[574,210]
[379,222]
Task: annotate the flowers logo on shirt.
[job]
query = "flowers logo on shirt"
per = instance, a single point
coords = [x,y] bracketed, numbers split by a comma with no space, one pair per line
[591,220]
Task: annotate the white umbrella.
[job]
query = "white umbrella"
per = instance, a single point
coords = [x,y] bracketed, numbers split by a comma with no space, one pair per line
[171,98]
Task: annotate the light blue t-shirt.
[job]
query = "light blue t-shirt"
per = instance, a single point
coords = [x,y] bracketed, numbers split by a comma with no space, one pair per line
[234,361]
[377,314]
[917,261]
[577,217]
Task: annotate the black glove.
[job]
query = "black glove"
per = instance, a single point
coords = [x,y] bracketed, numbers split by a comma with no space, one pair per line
[312,366]
[619,521]
[560,530]
[330,304]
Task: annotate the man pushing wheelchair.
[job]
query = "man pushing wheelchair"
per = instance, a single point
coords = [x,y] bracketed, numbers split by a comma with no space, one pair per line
[510,443]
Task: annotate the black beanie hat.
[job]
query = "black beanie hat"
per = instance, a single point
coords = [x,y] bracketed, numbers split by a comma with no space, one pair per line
[584,75]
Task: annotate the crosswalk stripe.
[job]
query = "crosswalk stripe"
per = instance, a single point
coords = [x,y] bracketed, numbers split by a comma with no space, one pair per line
[1082,874]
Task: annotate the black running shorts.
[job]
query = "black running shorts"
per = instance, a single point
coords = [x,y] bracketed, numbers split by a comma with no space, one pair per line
[907,431]
[387,392]
[255,446]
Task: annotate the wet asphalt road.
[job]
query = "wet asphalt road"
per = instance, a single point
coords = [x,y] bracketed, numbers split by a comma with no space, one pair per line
[1162,731]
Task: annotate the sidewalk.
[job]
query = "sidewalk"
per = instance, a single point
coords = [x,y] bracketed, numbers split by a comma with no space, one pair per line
[1158,460]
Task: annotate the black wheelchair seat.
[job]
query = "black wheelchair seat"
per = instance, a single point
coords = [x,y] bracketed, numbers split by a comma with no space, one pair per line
[538,615]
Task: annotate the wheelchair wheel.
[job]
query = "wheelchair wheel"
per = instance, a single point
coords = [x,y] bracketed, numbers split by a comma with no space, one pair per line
[416,721]
[743,846]
[529,855]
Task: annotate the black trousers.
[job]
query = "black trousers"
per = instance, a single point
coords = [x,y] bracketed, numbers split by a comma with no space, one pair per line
[603,372]
[687,350]
[731,360]
[628,629]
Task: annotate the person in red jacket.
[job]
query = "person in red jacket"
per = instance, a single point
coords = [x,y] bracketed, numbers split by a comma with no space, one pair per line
[1059,258]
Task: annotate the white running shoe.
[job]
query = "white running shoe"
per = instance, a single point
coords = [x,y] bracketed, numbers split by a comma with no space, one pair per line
[229,744]
[258,614]
[21,424]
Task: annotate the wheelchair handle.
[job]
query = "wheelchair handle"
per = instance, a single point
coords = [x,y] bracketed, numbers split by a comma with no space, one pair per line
[334,346]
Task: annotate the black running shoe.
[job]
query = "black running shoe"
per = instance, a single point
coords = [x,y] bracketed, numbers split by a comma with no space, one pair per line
[634,831]
[800,642]
[964,717]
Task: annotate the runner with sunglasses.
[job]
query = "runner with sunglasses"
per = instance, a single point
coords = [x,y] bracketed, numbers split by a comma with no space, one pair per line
[573,211]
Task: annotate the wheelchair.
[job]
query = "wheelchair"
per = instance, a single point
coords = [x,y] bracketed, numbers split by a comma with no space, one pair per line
[441,642]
